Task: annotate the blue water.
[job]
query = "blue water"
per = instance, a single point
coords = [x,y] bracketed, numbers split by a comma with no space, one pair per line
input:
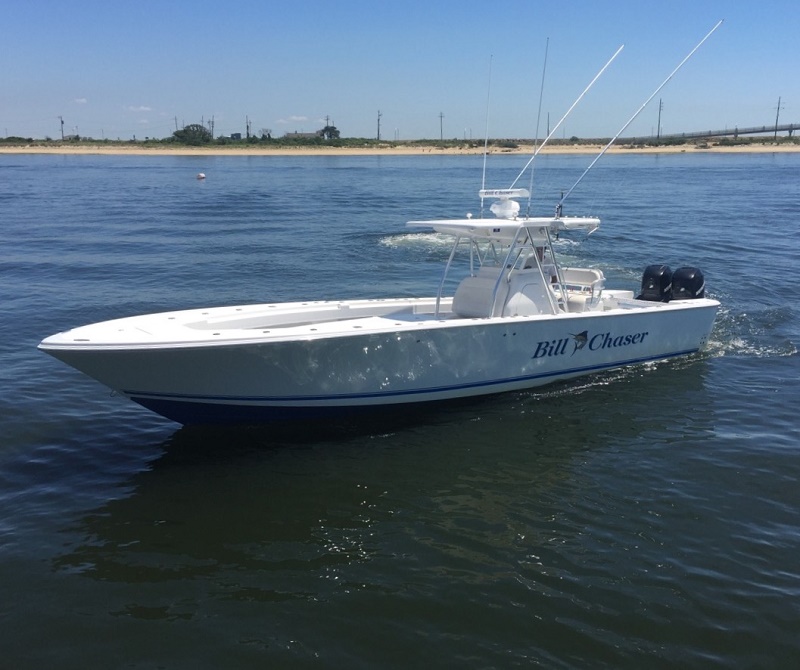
[639,518]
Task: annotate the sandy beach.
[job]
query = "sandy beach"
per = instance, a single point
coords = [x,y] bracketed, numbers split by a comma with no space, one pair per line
[394,150]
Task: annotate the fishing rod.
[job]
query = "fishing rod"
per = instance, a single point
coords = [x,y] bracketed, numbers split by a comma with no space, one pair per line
[621,130]
[569,111]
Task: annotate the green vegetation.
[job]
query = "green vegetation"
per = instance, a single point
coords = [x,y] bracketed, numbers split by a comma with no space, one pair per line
[193,135]
[703,143]
[16,141]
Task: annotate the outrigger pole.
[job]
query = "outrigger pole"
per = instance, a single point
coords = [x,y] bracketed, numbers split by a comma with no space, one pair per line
[638,111]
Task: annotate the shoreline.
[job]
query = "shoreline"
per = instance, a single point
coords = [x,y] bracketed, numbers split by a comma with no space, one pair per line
[118,150]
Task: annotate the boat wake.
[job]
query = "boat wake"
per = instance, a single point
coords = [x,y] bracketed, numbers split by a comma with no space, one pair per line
[759,333]
[439,244]
[417,241]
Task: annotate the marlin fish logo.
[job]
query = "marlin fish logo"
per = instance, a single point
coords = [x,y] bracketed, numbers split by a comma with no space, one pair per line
[580,340]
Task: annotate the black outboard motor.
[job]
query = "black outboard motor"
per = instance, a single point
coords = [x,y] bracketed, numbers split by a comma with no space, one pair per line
[656,284]
[688,283]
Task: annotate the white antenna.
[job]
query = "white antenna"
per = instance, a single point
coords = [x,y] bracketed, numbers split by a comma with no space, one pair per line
[486,133]
[538,119]
[621,130]
[569,111]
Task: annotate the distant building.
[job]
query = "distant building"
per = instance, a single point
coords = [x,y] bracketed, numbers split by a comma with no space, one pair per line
[236,136]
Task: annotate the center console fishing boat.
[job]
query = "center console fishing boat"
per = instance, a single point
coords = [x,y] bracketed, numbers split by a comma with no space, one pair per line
[517,319]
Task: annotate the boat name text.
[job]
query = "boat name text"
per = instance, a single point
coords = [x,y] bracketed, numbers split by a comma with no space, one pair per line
[546,348]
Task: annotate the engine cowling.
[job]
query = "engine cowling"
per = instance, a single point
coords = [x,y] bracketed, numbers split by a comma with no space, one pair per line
[688,283]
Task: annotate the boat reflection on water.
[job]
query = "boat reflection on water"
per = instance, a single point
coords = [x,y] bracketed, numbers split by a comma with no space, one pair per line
[520,501]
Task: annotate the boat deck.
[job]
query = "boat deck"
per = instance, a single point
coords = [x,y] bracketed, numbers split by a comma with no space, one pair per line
[302,320]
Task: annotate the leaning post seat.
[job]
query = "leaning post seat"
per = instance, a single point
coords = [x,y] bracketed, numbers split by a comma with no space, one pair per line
[584,288]
[475,296]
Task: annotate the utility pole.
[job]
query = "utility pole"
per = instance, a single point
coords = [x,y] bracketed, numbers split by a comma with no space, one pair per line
[658,129]
[379,125]
[62,127]
[441,127]
[777,116]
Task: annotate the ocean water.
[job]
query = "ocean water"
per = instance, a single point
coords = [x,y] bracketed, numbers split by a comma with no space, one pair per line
[640,518]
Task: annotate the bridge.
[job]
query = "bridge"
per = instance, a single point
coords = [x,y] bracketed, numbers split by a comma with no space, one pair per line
[730,132]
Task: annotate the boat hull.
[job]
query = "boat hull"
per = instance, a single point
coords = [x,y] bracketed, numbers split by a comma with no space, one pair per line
[326,376]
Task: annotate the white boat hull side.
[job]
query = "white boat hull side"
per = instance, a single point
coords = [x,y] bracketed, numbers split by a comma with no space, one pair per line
[438,360]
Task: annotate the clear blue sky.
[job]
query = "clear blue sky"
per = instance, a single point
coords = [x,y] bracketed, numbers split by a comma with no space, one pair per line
[118,69]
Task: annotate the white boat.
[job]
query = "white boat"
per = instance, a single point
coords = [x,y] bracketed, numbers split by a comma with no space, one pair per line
[516,320]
